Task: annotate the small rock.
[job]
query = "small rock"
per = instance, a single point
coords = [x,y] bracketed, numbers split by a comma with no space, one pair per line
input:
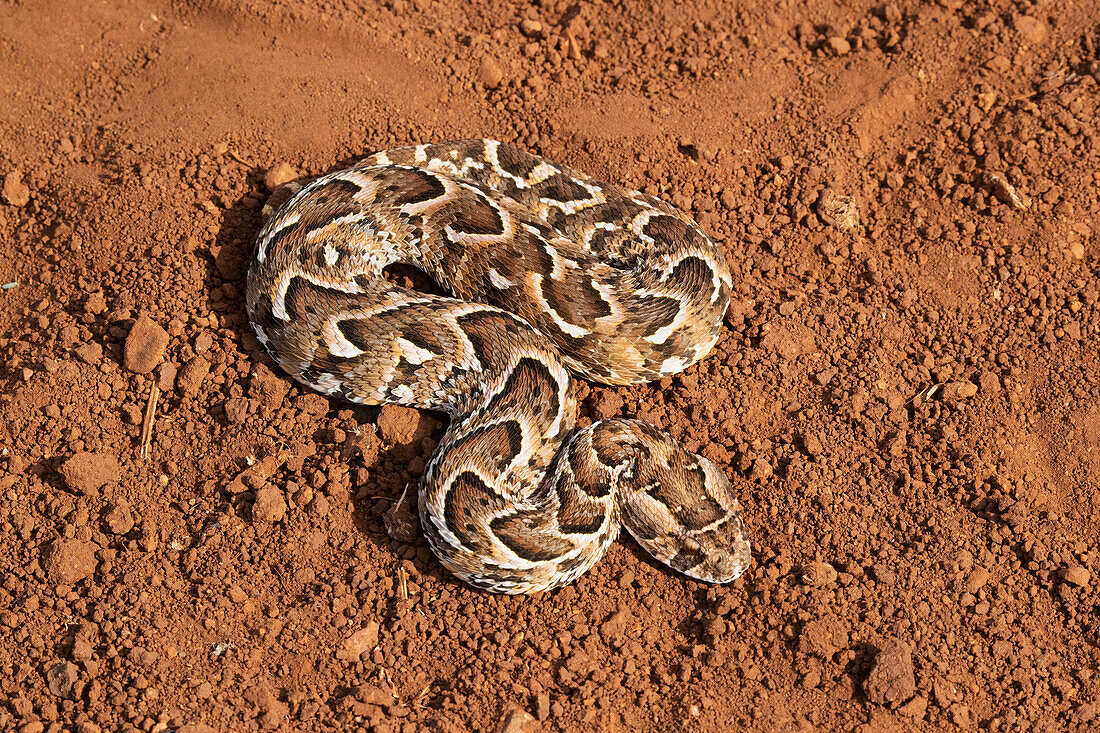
[86,472]
[269,506]
[839,46]
[398,424]
[312,404]
[761,469]
[1032,30]
[195,727]
[69,561]
[279,174]
[237,409]
[266,386]
[514,720]
[614,629]
[490,72]
[530,28]
[1005,192]
[15,192]
[363,640]
[189,380]
[818,574]
[989,382]
[89,353]
[891,680]
[977,578]
[119,519]
[915,708]
[62,680]
[958,391]
[823,637]
[166,376]
[542,706]
[271,709]
[837,210]
[145,346]
[811,443]
[1076,575]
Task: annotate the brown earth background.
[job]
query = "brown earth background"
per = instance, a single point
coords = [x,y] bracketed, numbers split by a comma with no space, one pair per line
[907,396]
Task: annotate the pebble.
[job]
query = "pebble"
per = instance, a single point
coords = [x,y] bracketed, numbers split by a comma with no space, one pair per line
[1032,30]
[823,637]
[363,640]
[118,520]
[190,377]
[989,382]
[266,386]
[89,353]
[15,192]
[839,46]
[62,680]
[86,472]
[69,561]
[1076,575]
[891,679]
[490,72]
[761,469]
[279,174]
[514,721]
[837,210]
[530,28]
[145,345]
[976,580]
[269,506]
[818,574]
[958,391]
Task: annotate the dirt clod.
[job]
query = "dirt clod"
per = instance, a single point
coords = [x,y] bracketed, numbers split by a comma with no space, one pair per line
[87,472]
[15,192]
[69,561]
[145,345]
[279,174]
[891,680]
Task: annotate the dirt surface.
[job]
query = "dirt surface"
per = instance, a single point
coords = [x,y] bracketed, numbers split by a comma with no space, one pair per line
[907,397]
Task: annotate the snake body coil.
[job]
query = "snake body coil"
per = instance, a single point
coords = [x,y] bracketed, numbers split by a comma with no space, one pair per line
[552,272]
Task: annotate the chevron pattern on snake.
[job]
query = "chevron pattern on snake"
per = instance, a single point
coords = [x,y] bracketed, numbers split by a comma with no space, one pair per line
[551,272]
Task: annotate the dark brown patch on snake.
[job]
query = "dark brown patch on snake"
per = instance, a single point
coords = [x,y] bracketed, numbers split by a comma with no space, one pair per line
[686,498]
[328,201]
[276,238]
[578,515]
[668,228]
[574,298]
[499,443]
[468,499]
[484,328]
[591,479]
[562,188]
[515,161]
[691,275]
[528,534]
[424,338]
[477,216]
[413,186]
[659,311]
[530,388]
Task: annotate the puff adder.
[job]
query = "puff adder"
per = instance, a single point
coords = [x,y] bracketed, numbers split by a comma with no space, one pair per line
[551,273]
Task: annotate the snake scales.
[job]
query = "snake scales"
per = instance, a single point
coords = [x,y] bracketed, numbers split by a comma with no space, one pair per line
[552,272]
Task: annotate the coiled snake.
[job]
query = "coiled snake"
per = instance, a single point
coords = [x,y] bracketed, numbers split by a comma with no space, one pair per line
[552,272]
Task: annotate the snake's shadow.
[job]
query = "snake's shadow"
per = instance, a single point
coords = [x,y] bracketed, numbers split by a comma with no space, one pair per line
[338,435]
